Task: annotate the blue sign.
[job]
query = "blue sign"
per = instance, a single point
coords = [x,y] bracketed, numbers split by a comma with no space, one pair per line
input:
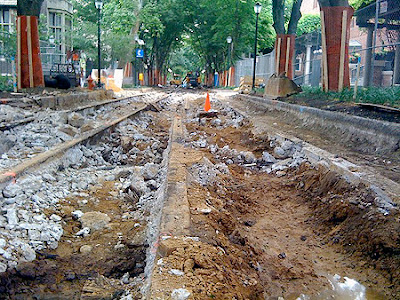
[139,53]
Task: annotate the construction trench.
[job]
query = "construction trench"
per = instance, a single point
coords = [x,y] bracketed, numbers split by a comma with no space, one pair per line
[148,197]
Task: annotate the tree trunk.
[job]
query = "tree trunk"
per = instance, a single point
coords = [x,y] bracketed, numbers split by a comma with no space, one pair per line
[294,17]
[284,51]
[335,27]
[29,65]
[278,12]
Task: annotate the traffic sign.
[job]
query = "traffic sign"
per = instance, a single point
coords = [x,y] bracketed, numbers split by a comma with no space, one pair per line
[139,53]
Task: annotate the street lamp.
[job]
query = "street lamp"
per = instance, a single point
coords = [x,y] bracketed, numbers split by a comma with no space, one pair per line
[99,6]
[229,41]
[257,10]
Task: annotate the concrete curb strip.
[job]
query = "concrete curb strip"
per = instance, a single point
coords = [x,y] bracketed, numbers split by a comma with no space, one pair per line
[379,135]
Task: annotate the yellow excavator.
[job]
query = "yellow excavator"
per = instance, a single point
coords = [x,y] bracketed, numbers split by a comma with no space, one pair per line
[177,81]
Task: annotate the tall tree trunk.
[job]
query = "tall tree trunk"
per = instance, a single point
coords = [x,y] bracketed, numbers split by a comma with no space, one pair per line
[29,65]
[335,27]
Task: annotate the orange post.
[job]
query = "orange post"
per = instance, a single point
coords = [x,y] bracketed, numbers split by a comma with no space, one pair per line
[207,105]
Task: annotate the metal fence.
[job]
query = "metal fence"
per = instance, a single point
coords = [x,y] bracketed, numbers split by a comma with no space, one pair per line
[374,48]
[265,66]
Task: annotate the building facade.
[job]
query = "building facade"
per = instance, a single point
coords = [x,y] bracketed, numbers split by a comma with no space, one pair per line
[55,25]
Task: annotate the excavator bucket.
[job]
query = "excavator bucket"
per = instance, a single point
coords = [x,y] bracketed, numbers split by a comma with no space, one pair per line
[280,86]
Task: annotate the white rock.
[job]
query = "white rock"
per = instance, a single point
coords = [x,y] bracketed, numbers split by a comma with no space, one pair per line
[45,236]
[48,177]
[176,272]
[12,216]
[125,278]
[85,249]
[76,120]
[2,243]
[248,157]
[3,267]
[149,171]
[55,218]
[268,158]
[12,190]
[180,294]
[27,252]
[83,232]
[77,214]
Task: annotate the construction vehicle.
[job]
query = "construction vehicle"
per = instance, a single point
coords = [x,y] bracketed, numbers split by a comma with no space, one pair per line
[193,80]
[176,81]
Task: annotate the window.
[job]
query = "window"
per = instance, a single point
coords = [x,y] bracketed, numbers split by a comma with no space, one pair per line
[298,63]
[55,28]
[68,33]
[5,20]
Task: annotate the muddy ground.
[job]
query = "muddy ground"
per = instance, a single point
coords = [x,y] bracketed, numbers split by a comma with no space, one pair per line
[253,235]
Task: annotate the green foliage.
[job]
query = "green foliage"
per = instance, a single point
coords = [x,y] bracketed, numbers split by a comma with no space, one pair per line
[357,4]
[308,23]
[184,59]
[117,20]
[377,95]
[8,44]
[6,84]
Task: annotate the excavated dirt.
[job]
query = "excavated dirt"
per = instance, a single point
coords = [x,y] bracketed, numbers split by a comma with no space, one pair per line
[263,236]
[253,235]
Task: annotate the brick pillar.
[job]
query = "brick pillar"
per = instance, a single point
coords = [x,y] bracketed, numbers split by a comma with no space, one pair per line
[29,65]
[284,51]
[335,27]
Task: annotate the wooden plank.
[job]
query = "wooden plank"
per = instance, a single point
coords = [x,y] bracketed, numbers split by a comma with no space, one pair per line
[324,54]
[379,107]
[287,56]
[342,50]
[278,56]
[19,53]
[30,58]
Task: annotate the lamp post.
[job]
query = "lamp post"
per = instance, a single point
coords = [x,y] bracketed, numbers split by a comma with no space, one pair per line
[229,41]
[99,6]
[257,10]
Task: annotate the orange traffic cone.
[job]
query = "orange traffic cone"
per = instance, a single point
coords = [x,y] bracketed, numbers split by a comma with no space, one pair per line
[207,105]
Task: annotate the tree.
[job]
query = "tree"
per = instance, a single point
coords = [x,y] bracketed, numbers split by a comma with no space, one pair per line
[308,23]
[335,43]
[118,19]
[29,66]
[285,39]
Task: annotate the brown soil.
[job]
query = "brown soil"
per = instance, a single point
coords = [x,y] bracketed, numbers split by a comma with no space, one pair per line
[263,236]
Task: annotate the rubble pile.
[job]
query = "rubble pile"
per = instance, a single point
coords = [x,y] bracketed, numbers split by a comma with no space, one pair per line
[26,226]
[49,129]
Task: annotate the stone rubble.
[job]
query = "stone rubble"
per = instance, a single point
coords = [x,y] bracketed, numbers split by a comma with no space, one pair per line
[24,225]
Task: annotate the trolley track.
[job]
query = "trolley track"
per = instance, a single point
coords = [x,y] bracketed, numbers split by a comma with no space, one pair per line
[85,118]
[236,223]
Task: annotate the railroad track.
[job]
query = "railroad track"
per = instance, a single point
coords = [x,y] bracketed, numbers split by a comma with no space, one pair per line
[16,171]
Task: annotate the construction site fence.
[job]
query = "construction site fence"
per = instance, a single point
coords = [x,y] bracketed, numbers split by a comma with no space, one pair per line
[384,54]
